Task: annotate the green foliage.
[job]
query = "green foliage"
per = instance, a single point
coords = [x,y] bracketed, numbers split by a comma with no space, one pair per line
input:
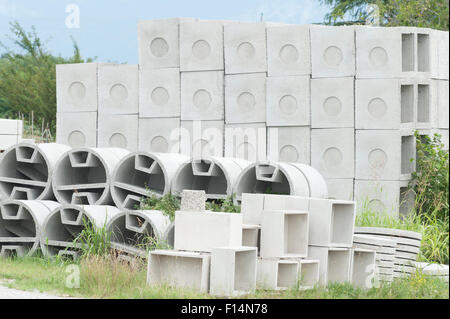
[93,240]
[168,204]
[28,77]
[223,205]
[419,13]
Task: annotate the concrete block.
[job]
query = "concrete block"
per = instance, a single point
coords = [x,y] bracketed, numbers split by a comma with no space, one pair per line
[118,130]
[309,273]
[77,129]
[183,269]
[233,271]
[287,202]
[118,87]
[378,196]
[202,231]
[288,101]
[202,138]
[245,98]
[363,267]
[378,155]
[251,236]
[332,51]
[284,234]
[334,264]
[246,141]
[76,87]
[332,152]
[276,274]
[11,127]
[443,104]
[290,144]
[340,188]
[202,96]
[252,207]
[443,51]
[288,50]
[245,48]
[193,201]
[6,141]
[201,46]
[332,102]
[426,104]
[160,135]
[159,93]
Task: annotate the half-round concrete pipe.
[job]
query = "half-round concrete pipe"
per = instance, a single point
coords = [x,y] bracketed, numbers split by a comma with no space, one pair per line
[134,231]
[83,175]
[64,224]
[280,178]
[21,223]
[215,175]
[141,174]
[26,170]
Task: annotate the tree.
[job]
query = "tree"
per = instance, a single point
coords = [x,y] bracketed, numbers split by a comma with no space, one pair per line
[419,13]
[28,77]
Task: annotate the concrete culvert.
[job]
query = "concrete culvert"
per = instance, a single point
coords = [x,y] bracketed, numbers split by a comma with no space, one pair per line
[83,175]
[214,175]
[280,178]
[65,224]
[133,232]
[26,170]
[141,174]
[21,223]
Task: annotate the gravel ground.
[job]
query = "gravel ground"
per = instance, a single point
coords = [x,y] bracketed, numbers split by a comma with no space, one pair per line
[10,293]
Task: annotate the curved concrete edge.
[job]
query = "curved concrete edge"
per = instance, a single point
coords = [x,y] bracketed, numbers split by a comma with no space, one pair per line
[317,185]
[169,235]
[389,231]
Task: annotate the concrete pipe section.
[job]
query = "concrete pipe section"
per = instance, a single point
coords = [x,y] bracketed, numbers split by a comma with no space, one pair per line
[134,232]
[83,175]
[21,223]
[141,174]
[169,235]
[65,223]
[26,170]
[214,175]
[280,178]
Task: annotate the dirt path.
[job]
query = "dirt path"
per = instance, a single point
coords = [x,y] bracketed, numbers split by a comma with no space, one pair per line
[10,293]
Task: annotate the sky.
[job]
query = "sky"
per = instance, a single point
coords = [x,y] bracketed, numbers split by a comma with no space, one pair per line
[107,29]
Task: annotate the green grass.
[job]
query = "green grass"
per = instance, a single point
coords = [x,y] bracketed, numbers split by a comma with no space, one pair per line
[107,277]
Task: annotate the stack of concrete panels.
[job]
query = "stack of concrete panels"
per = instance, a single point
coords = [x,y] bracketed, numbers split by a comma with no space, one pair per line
[438,271]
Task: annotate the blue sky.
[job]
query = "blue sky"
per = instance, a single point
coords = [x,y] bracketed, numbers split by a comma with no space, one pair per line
[108,28]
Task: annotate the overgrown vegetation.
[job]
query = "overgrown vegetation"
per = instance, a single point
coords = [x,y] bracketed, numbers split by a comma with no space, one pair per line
[93,240]
[223,205]
[168,204]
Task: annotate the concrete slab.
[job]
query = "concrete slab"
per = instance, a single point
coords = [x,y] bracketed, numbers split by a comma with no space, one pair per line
[77,129]
[340,188]
[246,141]
[378,196]
[443,104]
[11,127]
[373,240]
[202,138]
[289,144]
[193,201]
[432,269]
[389,232]
[160,135]
[252,206]
[335,264]
[118,130]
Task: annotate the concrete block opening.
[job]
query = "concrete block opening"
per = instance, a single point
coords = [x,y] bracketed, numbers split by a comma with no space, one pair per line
[407,52]
[244,270]
[407,200]
[408,153]
[251,236]
[407,103]
[287,274]
[342,223]
[296,234]
[339,262]
[423,52]
[363,268]
[309,273]
[423,103]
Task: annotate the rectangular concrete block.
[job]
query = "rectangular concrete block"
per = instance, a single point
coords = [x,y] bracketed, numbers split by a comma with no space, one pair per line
[290,144]
[332,102]
[76,87]
[309,273]
[201,46]
[245,98]
[288,100]
[276,274]
[378,196]
[332,51]
[334,264]
[251,236]
[246,141]
[202,231]
[340,188]
[443,51]
[252,206]
[332,152]
[202,96]
[443,103]
[118,130]
[245,48]
[6,141]
[179,269]
[426,104]
[11,127]
[233,271]
[285,202]
[118,87]
[202,138]
[288,50]
[193,200]
[161,135]
[77,129]
[159,93]
[363,267]
[284,234]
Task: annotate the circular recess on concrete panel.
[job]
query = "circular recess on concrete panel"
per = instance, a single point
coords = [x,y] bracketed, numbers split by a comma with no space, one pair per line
[332,106]
[377,107]
[288,105]
[376,205]
[332,157]
[246,151]
[118,140]
[289,54]
[333,56]
[159,144]
[202,99]
[118,92]
[377,158]
[246,102]
[378,57]
[76,139]
[288,154]
[77,91]
[159,47]
[246,50]
[160,96]
[201,49]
